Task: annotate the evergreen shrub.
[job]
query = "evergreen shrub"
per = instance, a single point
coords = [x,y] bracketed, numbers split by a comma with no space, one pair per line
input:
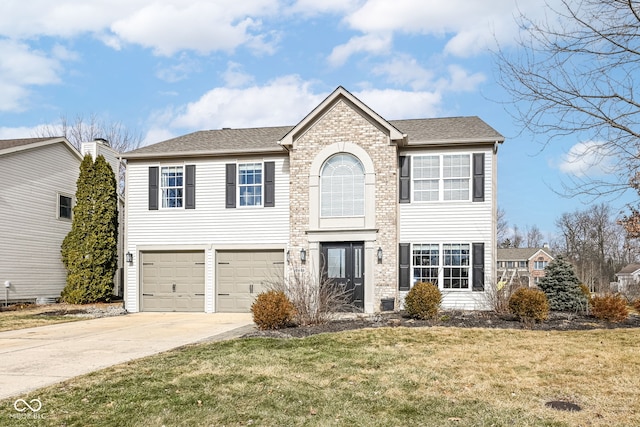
[272,310]
[423,301]
[562,287]
[612,308]
[529,305]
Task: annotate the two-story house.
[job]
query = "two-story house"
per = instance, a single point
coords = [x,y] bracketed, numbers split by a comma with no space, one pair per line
[374,205]
[522,266]
[36,212]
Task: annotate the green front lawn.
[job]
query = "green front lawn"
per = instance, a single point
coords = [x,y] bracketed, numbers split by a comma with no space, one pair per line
[387,377]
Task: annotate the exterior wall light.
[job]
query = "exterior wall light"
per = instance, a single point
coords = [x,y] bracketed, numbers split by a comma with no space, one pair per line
[288,257]
[303,255]
[379,255]
[129,256]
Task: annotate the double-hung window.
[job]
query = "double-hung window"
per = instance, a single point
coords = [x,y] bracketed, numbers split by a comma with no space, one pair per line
[250,184]
[456,265]
[456,171]
[441,177]
[172,186]
[540,265]
[426,263]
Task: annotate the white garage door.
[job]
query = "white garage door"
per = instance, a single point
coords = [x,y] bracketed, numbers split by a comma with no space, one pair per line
[173,281]
[242,275]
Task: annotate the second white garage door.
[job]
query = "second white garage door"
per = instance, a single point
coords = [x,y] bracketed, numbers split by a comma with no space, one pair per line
[242,275]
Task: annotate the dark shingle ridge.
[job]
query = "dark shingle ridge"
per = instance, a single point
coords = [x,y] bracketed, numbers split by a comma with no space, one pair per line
[10,143]
[265,139]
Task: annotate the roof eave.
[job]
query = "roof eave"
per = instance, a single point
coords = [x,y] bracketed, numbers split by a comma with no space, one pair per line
[449,142]
[192,154]
[55,140]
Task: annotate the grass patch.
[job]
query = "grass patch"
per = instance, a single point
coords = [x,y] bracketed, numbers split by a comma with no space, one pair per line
[380,377]
[36,315]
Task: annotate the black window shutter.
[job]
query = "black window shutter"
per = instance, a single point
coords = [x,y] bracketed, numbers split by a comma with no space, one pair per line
[478,266]
[478,177]
[405,179]
[153,188]
[231,185]
[190,188]
[405,267]
[269,184]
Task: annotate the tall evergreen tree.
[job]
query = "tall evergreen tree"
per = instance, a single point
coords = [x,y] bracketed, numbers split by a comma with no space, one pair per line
[562,287]
[89,251]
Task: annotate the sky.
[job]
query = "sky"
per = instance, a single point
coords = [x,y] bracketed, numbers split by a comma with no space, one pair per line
[164,68]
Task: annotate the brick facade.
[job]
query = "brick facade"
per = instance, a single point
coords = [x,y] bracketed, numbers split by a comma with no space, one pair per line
[340,124]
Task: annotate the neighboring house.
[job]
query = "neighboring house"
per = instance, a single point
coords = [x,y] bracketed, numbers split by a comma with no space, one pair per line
[374,205]
[627,277]
[522,265]
[36,212]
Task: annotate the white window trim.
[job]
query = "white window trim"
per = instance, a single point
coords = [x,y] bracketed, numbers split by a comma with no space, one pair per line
[441,266]
[364,189]
[238,185]
[73,203]
[160,196]
[441,179]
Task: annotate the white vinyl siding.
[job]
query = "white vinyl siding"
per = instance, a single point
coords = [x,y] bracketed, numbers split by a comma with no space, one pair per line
[29,225]
[454,222]
[211,225]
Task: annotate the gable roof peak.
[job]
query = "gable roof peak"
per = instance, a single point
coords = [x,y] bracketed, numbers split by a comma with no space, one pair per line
[341,93]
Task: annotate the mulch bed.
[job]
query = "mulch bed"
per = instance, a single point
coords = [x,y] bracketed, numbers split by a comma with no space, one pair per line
[458,319]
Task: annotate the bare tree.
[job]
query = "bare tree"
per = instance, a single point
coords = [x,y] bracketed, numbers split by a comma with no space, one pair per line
[502,226]
[534,237]
[595,243]
[573,74]
[83,129]
[516,237]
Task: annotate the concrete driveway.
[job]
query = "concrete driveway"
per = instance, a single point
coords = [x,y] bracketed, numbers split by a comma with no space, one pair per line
[37,357]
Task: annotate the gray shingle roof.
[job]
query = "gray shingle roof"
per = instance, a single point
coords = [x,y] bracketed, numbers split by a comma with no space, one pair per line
[519,254]
[628,269]
[249,140]
[10,143]
[447,129]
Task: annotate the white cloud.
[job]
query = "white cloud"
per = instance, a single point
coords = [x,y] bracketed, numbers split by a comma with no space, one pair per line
[181,70]
[165,26]
[25,69]
[399,104]
[588,159]
[19,132]
[459,80]
[283,101]
[200,26]
[370,43]
[154,135]
[468,28]
[315,7]
[234,76]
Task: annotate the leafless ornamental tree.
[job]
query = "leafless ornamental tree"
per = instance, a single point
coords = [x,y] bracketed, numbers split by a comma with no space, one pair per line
[83,129]
[575,73]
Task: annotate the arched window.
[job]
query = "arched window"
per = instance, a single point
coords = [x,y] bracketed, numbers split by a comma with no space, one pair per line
[342,187]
